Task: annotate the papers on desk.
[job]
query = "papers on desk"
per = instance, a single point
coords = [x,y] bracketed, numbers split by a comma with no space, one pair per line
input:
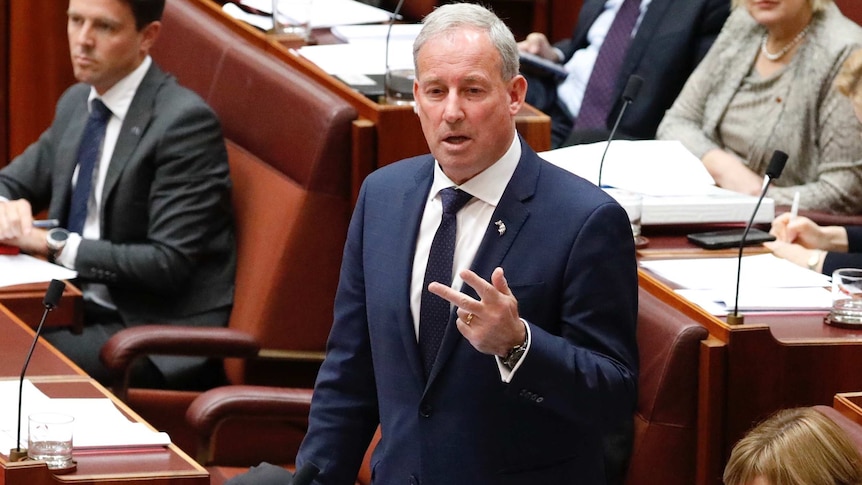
[98,422]
[767,283]
[677,188]
[324,13]
[360,58]
[21,269]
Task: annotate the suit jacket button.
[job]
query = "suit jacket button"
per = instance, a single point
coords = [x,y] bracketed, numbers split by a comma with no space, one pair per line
[413,480]
[425,410]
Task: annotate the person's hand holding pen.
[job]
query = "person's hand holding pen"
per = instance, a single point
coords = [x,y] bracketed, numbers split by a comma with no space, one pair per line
[17,227]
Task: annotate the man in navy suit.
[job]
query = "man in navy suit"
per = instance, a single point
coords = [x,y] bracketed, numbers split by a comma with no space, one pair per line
[538,360]
[670,39]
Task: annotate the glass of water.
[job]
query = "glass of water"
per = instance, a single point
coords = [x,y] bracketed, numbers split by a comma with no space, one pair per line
[50,439]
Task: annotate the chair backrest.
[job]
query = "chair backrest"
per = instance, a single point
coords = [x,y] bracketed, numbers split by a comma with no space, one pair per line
[289,144]
[665,427]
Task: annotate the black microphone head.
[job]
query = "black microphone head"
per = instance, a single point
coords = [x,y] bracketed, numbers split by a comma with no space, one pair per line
[776,165]
[305,474]
[53,294]
[633,86]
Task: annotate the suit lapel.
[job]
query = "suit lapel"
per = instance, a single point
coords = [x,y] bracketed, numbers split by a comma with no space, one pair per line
[67,159]
[134,126]
[646,31]
[511,212]
[588,15]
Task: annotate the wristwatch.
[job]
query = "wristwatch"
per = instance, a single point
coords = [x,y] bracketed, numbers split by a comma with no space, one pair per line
[56,241]
[511,359]
[814,260]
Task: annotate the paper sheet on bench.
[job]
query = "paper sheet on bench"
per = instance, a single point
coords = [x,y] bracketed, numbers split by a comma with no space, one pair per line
[758,271]
[22,269]
[767,283]
[324,13]
[98,422]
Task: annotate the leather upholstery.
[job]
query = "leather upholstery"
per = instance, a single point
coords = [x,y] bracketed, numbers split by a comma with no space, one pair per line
[289,147]
[666,416]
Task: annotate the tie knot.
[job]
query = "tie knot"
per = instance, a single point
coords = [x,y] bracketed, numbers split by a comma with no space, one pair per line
[98,110]
[454,199]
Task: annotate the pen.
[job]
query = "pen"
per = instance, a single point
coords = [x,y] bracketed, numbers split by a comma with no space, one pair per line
[46,223]
[794,207]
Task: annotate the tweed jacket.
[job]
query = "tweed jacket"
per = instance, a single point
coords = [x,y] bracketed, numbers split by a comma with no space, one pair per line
[815,126]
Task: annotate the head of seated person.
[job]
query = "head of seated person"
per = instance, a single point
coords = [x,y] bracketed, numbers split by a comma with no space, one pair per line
[798,446]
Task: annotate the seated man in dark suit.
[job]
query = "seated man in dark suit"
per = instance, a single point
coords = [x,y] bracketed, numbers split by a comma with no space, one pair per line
[662,41]
[135,168]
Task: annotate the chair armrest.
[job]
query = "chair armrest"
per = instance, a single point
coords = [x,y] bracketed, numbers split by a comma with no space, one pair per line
[120,351]
[274,408]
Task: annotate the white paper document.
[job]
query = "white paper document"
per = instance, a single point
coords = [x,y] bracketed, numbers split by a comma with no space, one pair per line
[360,33]
[21,269]
[324,13]
[98,423]
[677,188]
[767,283]
[761,300]
[758,271]
[364,57]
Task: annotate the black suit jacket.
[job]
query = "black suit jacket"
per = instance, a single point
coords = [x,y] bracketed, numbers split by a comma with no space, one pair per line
[167,249]
[673,37]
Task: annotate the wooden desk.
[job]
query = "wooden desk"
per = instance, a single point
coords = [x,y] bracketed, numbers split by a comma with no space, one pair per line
[383,133]
[56,376]
[25,302]
[747,372]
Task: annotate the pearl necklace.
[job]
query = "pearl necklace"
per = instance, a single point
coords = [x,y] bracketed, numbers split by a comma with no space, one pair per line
[785,49]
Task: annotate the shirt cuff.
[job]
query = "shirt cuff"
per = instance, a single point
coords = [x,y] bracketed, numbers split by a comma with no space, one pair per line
[505,374]
[70,251]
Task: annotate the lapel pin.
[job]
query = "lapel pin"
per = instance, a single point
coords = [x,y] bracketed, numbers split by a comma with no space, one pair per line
[501,227]
[136,130]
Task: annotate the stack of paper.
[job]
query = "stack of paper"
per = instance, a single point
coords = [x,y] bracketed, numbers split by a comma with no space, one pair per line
[98,422]
[324,13]
[677,188]
[22,269]
[767,283]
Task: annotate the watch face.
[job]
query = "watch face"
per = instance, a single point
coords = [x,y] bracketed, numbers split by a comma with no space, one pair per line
[58,236]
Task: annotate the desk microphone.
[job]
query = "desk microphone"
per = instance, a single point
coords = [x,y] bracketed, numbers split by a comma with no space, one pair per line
[629,94]
[52,297]
[773,171]
[388,34]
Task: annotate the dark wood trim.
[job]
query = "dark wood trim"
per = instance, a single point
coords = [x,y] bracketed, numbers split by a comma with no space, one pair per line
[4,82]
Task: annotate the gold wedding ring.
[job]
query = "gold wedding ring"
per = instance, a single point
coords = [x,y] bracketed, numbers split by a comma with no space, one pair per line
[468,319]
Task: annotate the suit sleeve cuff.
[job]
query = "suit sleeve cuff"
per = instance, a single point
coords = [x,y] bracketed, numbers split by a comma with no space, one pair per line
[506,375]
[70,251]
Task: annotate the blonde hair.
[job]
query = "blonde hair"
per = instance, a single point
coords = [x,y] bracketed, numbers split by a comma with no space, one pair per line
[816,5]
[798,446]
[849,79]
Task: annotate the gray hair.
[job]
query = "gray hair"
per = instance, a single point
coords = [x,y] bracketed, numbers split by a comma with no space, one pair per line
[450,17]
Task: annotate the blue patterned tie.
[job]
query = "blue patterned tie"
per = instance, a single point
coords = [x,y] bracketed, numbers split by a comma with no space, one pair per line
[433,310]
[88,157]
[599,93]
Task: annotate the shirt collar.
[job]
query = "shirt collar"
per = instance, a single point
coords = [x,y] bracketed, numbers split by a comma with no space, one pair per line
[119,97]
[489,185]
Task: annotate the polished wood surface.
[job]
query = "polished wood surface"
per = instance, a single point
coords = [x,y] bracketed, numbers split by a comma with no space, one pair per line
[774,361]
[25,302]
[57,377]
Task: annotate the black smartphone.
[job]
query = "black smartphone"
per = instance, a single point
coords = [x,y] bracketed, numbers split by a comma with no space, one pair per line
[729,238]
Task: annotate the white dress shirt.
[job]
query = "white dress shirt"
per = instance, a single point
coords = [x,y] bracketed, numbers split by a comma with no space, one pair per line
[472,221]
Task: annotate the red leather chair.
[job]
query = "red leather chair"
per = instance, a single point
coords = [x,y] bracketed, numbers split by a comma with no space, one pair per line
[289,147]
[665,422]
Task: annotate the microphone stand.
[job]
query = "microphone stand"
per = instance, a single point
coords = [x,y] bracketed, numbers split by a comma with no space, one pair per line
[629,94]
[52,296]
[386,53]
[773,171]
